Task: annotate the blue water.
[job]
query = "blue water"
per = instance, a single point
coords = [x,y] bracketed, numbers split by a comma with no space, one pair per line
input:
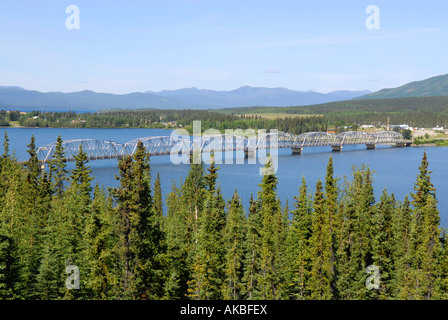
[395,168]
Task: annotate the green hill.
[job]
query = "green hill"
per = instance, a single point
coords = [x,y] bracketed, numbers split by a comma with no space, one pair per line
[432,87]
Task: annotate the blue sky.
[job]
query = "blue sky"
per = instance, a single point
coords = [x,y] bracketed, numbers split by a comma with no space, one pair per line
[128,46]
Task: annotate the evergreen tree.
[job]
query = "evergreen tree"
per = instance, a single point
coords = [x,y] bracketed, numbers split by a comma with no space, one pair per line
[401,254]
[331,197]
[252,261]
[77,200]
[234,238]
[30,241]
[33,163]
[140,237]
[298,245]
[178,246]
[57,168]
[320,246]
[80,177]
[354,252]
[268,280]
[12,227]
[423,187]
[49,279]
[158,204]
[101,239]
[6,146]
[9,267]
[382,244]
[193,194]
[425,236]
[282,225]
[208,249]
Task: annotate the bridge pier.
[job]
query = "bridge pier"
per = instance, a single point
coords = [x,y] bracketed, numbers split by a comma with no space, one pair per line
[370,146]
[400,144]
[336,148]
[250,153]
[297,150]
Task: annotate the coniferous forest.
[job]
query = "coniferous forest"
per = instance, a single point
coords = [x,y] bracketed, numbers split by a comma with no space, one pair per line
[322,246]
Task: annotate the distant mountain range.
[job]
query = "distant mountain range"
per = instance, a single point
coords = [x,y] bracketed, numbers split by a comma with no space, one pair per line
[432,87]
[194,98]
[189,98]
[255,96]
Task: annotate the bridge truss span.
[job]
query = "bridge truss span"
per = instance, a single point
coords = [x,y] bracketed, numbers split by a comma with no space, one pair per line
[176,144]
[95,149]
[314,139]
[158,146]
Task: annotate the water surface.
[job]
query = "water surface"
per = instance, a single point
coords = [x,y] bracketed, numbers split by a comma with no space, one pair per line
[395,168]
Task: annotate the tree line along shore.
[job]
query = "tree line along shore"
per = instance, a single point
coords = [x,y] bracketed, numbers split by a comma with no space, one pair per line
[321,246]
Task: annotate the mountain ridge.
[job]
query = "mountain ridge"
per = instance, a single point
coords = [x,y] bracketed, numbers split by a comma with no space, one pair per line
[430,87]
[185,98]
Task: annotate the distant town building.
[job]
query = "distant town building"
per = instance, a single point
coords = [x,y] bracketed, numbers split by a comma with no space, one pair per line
[399,126]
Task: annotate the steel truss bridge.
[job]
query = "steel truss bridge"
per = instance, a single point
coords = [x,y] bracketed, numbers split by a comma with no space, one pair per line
[166,145]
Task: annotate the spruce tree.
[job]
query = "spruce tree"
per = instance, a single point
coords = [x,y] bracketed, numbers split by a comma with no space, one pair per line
[57,168]
[193,191]
[13,225]
[80,177]
[178,246]
[158,203]
[6,146]
[252,260]
[101,238]
[425,236]
[298,245]
[9,267]
[268,280]
[234,239]
[208,248]
[30,240]
[331,197]
[320,246]
[401,254]
[33,163]
[382,244]
[140,237]
[354,252]
[423,187]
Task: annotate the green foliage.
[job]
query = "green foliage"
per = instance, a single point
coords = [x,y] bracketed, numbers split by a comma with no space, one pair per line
[320,249]
[57,167]
[298,255]
[207,248]
[139,235]
[416,111]
[234,240]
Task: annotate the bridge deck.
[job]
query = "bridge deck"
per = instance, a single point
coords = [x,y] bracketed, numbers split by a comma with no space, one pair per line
[166,145]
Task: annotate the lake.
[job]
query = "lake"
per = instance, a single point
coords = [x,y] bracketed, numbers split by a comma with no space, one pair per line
[395,168]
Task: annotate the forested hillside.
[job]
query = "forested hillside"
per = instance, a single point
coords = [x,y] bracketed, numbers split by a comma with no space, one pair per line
[425,112]
[208,247]
[431,87]
[416,111]
[160,119]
